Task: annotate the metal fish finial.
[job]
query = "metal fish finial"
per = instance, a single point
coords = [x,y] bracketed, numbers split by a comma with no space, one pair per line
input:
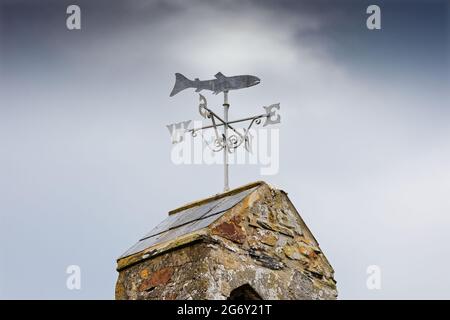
[220,84]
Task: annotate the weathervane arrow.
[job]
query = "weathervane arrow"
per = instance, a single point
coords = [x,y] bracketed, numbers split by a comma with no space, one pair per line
[221,142]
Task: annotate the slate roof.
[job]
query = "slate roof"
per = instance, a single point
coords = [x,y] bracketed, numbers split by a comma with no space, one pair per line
[191,218]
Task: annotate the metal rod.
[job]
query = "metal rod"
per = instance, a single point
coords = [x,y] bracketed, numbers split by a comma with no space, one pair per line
[230,122]
[212,115]
[226,106]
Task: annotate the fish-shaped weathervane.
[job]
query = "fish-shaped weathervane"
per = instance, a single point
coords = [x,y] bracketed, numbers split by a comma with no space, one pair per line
[220,84]
[221,141]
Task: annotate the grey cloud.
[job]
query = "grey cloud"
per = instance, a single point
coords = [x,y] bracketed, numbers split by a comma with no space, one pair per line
[87,164]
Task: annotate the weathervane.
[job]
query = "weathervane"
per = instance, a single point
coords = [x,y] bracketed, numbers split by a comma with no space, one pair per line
[222,141]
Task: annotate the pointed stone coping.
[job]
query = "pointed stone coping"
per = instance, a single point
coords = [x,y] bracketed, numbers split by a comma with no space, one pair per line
[185,225]
[218,196]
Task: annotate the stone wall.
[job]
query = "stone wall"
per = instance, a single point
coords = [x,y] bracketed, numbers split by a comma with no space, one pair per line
[261,242]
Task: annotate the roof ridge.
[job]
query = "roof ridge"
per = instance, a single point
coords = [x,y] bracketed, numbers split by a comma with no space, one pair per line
[217,196]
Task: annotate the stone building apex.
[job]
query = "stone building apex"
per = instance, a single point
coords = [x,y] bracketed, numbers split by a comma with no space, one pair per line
[247,243]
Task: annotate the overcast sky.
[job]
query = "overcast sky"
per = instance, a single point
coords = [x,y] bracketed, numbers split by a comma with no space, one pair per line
[85,165]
